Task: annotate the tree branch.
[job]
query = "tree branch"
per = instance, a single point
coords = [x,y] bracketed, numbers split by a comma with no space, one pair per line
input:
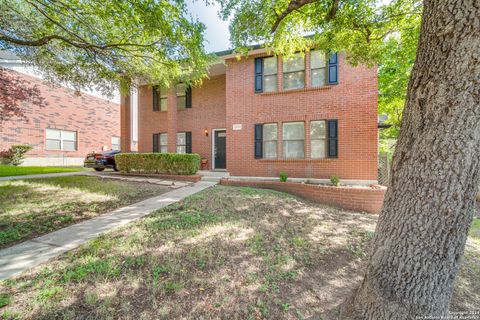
[295,5]
[82,45]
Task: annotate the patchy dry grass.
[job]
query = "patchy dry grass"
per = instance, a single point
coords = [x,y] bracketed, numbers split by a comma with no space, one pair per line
[224,253]
[32,207]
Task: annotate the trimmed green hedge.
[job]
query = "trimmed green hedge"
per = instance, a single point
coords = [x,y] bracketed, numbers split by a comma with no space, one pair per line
[166,163]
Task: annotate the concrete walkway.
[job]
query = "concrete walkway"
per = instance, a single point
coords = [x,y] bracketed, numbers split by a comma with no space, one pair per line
[28,254]
[46,175]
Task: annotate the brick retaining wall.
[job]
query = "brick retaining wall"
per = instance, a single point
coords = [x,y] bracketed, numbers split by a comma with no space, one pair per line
[178,177]
[358,199]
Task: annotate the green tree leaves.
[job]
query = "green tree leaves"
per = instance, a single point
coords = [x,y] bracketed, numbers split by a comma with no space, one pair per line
[95,44]
[372,32]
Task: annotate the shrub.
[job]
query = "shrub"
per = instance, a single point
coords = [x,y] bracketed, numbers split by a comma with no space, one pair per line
[18,152]
[15,154]
[283,176]
[335,180]
[166,163]
[5,156]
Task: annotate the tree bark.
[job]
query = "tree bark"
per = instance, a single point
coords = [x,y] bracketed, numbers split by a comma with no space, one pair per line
[423,226]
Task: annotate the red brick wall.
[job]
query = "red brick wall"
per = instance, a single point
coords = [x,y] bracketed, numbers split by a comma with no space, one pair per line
[358,199]
[353,102]
[226,100]
[95,120]
[207,112]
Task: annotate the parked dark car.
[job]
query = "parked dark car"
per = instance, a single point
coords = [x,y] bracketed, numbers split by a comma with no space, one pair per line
[100,161]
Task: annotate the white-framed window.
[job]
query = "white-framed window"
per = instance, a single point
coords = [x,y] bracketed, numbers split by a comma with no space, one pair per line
[115,143]
[294,72]
[293,135]
[181,142]
[163,143]
[163,99]
[318,67]
[318,139]
[270,74]
[270,140]
[60,140]
[181,90]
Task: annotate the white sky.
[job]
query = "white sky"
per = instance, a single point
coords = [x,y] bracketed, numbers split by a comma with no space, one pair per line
[216,34]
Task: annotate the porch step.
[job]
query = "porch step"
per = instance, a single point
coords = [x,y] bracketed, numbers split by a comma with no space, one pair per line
[213,176]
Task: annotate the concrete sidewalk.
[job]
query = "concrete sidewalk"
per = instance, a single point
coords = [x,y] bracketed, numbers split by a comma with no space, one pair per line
[28,254]
[46,175]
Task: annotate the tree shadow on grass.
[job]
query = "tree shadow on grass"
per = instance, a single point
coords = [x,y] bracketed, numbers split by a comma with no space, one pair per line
[225,253]
[34,207]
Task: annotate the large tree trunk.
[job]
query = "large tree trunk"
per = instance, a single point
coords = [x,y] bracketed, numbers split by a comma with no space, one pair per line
[422,229]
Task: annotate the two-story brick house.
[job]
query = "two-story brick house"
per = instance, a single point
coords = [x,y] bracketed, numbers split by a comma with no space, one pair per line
[311,116]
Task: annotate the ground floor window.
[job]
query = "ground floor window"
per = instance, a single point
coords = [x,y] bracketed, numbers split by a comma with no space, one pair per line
[293,134]
[270,140]
[163,142]
[318,139]
[60,140]
[181,142]
[115,143]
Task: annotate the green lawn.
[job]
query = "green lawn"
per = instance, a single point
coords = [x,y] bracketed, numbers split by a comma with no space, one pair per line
[6,171]
[32,207]
[224,253]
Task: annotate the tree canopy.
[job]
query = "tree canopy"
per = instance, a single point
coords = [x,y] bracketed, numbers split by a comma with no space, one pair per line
[397,56]
[369,31]
[97,44]
[357,26]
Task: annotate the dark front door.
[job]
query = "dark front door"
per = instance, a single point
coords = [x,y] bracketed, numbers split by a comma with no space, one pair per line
[220,149]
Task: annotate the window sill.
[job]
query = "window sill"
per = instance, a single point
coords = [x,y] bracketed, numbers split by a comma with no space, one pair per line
[297,160]
[57,150]
[321,88]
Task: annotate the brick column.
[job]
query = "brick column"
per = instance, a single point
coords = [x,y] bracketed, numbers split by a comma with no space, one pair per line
[279,74]
[125,123]
[308,150]
[308,75]
[279,140]
[172,120]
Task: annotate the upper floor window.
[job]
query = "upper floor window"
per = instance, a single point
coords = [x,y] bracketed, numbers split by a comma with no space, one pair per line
[323,70]
[181,95]
[293,140]
[60,140]
[270,140]
[184,96]
[115,143]
[160,98]
[270,74]
[294,72]
[318,66]
[318,139]
[163,99]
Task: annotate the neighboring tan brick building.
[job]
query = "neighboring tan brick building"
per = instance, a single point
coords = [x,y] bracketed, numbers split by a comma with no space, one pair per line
[66,128]
[311,116]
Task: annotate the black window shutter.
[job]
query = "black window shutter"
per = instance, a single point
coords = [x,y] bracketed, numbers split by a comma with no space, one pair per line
[258,74]
[156,138]
[333,69]
[332,138]
[188,97]
[156,98]
[188,142]
[258,141]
